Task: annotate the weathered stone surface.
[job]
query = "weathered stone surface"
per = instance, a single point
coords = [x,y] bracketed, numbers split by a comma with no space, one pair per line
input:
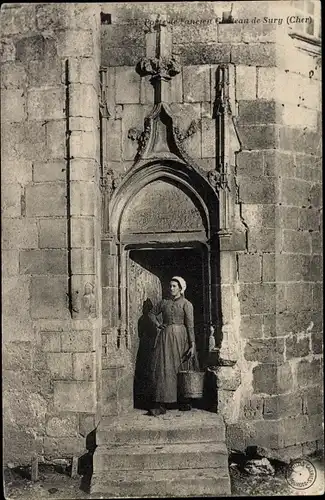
[258,136]
[84,367]
[51,341]
[290,267]
[257,298]
[313,401]
[245,82]
[297,241]
[228,378]
[13,105]
[45,199]
[25,412]
[13,75]
[127,86]
[299,140]
[60,447]
[16,322]
[295,192]
[84,144]
[194,33]
[249,268]
[250,163]
[82,232]
[49,171]
[199,53]
[83,100]
[44,72]
[11,195]
[16,171]
[301,428]
[82,261]
[62,426]
[309,372]
[9,263]
[317,342]
[82,70]
[43,262]
[114,148]
[49,297]
[272,379]
[19,444]
[253,409]
[297,346]
[254,54]
[46,104]
[251,326]
[196,83]
[77,341]
[265,350]
[262,240]
[82,198]
[285,405]
[55,139]
[259,215]
[264,433]
[75,43]
[17,356]
[20,233]
[261,111]
[118,56]
[297,298]
[60,365]
[28,381]
[257,190]
[52,233]
[75,396]
[86,423]
[279,163]
[37,47]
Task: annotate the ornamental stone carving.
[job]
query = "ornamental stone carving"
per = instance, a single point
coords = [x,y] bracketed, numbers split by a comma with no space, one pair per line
[161,68]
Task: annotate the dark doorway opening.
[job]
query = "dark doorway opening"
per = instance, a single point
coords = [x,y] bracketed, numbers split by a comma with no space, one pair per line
[150,271]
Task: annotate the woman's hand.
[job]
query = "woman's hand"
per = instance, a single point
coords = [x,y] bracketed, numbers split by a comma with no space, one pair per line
[191,351]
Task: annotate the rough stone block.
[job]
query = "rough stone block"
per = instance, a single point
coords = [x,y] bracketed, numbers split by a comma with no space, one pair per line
[268,267]
[264,434]
[250,163]
[82,70]
[200,53]
[43,262]
[317,342]
[196,83]
[37,47]
[77,341]
[82,232]
[75,396]
[245,82]
[251,326]
[272,379]
[257,298]
[228,378]
[45,200]
[259,32]
[194,33]
[19,20]
[257,190]
[49,297]
[75,43]
[309,372]
[258,111]
[118,56]
[84,144]
[64,447]
[16,171]
[313,401]
[51,341]
[265,350]
[82,261]
[299,140]
[285,405]
[297,346]
[114,134]
[249,268]
[288,217]
[291,267]
[235,437]
[9,263]
[127,86]
[84,366]
[208,138]
[259,215]
[13,105]
[279,164]
[62,426]
[60,365]
[55,139]
[46,104]
[13,75]
[296,241]
[23,412]
[83,100]
[49,171]
[301,429]
[16,323]
[315,196]
[52,233]
[254,54]
[317,242]
[298,297]
[122,35]
[258,136]
[83,170]
[82,198]
[262,240]
[253,409]
[17,356]
[230,33]
[295,192]
[11,195]
[44,73]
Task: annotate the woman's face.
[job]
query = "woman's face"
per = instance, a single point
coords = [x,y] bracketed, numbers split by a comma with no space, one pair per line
[175,289]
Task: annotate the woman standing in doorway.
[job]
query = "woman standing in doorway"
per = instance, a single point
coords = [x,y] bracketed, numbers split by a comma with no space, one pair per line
[174,345]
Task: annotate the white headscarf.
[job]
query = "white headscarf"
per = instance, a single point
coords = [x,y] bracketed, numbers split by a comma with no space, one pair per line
[181,282]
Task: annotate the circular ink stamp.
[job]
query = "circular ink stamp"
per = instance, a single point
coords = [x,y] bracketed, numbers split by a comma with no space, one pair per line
[301,474]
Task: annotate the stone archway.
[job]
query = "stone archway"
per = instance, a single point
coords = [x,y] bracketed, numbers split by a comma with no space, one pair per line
[162,206]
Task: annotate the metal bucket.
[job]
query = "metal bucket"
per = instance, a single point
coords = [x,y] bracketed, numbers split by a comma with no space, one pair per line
[190,384]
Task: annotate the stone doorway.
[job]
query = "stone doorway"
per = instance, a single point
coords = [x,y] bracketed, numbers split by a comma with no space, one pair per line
[149,273]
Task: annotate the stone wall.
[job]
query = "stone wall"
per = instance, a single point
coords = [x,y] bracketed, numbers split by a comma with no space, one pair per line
[49,112]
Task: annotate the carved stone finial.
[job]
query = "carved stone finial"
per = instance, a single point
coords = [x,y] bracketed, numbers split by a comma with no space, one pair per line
[214,177]
[192,129]
[160,68]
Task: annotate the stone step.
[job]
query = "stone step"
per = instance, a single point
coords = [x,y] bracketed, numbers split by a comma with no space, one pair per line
[162,483]
[167,456]
[174,427]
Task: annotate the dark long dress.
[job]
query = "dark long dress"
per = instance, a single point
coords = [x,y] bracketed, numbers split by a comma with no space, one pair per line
[172,343]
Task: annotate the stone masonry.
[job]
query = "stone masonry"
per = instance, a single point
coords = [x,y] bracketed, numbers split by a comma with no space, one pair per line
[63,67]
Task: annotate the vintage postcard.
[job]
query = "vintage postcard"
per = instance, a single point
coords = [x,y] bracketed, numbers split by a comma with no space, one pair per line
[161,169]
